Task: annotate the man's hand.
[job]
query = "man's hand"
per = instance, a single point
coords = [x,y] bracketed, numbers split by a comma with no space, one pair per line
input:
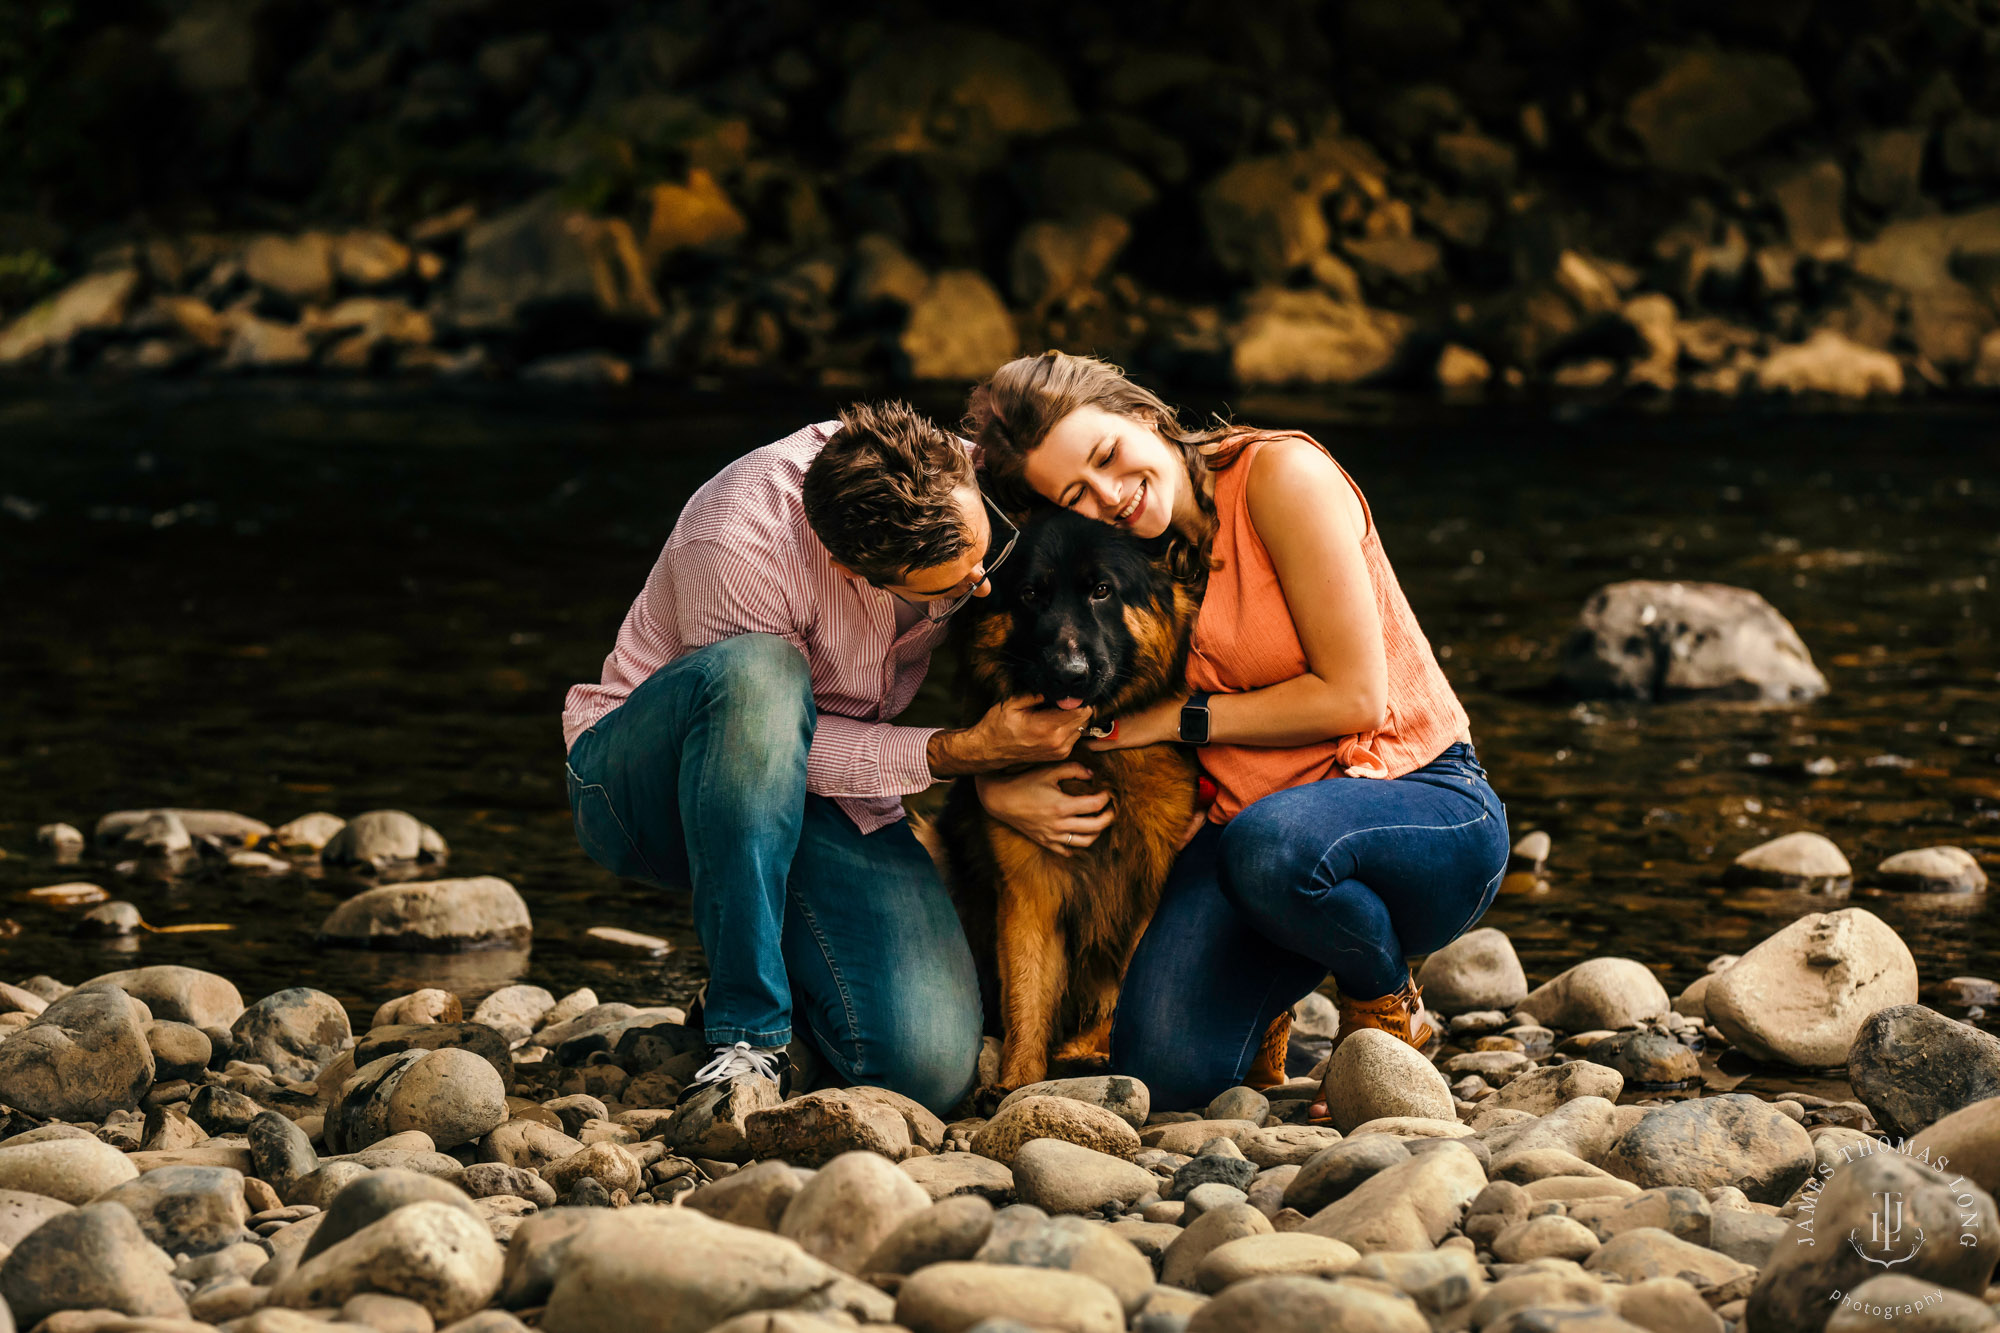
[1035,806]
[1013,732]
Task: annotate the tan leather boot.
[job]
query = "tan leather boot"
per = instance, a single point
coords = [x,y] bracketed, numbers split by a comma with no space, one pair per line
[1269,1070]
[1399,1013]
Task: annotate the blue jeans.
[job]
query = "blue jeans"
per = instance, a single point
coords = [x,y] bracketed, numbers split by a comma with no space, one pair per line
[1343,876]
[698,780]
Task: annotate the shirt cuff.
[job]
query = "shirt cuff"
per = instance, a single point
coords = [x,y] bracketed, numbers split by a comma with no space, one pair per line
[906,762]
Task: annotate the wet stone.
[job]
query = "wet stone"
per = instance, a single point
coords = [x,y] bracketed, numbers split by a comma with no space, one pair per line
[1235,1172]
[83,1057]
[280,1149]
[1648,1061]
[186,1209]
[294,1032]
[1912,1066]
[180,1050]
[95,1258]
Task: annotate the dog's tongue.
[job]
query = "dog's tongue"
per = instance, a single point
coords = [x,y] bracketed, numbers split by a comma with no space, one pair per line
[1069,703]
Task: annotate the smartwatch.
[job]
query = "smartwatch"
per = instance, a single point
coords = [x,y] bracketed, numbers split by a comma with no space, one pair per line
[1194,718]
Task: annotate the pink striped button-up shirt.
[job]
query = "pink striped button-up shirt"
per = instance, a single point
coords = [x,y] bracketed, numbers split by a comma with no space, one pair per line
[743,560]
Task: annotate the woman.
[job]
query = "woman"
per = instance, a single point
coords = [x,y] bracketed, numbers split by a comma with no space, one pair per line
[1352,824]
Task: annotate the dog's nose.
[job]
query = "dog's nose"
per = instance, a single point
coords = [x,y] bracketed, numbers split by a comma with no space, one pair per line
[1068,664]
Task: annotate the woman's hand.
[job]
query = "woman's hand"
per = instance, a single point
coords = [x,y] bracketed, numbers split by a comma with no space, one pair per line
[1161,722]
[1034,806]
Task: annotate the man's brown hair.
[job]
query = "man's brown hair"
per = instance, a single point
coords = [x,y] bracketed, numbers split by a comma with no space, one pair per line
[880,494]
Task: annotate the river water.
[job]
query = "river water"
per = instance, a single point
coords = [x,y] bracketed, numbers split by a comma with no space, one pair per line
[277,598]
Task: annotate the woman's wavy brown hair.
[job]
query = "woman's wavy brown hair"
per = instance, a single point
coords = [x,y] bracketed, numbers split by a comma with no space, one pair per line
[1013,411]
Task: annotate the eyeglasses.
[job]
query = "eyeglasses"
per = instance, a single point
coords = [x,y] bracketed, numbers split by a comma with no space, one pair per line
[993,561]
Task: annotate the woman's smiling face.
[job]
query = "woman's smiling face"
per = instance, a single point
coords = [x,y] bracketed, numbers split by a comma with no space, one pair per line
[1110,468]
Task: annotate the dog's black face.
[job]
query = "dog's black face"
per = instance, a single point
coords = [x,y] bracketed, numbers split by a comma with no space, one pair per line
[1083,613]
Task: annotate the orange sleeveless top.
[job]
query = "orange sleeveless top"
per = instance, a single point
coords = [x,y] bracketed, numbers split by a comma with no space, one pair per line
[1244,639]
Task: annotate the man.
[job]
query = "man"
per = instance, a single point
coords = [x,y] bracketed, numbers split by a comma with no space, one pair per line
[740,743]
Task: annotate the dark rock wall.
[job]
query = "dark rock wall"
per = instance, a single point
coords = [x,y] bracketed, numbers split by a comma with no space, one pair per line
[1704,196]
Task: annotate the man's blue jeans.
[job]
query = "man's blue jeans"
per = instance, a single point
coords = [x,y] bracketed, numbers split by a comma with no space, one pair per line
[1343,876]
[698,780]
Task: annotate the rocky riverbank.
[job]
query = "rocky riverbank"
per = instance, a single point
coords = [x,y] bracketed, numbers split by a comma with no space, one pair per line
[1435,195]
[173,1158]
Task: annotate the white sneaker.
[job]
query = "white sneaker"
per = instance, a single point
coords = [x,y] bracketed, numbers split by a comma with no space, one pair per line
[744,1060]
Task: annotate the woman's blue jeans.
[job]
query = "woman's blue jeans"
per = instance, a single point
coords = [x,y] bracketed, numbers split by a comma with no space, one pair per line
[1345,876]
[698,780]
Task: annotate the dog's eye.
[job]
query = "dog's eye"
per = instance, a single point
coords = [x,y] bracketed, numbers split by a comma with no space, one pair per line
[1027,594]
[1100,592]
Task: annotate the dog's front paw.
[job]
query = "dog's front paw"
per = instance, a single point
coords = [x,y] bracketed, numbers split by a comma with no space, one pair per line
[1083,1064]
[986,1098]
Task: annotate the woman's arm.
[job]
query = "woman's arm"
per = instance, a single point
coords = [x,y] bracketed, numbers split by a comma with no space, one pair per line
[1312,524]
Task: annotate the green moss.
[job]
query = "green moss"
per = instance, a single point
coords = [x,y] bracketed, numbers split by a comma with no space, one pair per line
[25,276]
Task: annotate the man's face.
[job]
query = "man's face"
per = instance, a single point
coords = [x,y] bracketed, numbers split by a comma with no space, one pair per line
[954,578]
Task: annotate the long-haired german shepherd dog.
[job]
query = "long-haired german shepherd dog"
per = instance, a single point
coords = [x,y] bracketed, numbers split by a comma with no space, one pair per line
[1083,615]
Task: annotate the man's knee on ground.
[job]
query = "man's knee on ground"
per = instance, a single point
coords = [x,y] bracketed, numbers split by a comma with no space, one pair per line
[931,1062]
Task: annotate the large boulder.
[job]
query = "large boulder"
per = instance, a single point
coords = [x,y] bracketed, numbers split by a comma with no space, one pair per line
[1652,640]
[94,303]
[186,1209]
[1833,365]
[1934,1228]
[1263,216]
[1023,1238]
[94,1258]
[1061,1177]
[1707,106]
[954,1297]
[1478,970]
[1373,1075]
[959,329]
[1409,1206]
[1734,1140]
[1123,1096]
[72,1170]
[296,1032]
[368,1199]
[1799,997]
[82,1058]
[1801,860]
[1306,337]
[849,1207]
[435,916]
[548,261]
[673,1270]
[179,994]
[1054,1118]
[453,1095]
[437,1255]
[1932,870]
[1597,993]
[1912,1066]
[820,1126]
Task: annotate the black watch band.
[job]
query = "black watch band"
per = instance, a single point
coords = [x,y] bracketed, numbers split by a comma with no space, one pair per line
[1194,718]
